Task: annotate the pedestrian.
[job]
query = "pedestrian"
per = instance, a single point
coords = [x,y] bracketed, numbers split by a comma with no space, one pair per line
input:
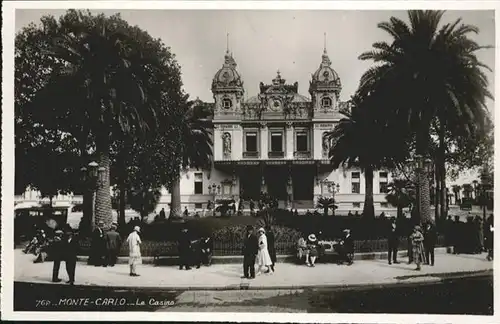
[478,222]
[162,214]
[312,250]
[98,250]
[346,248]
[134,246]
[250,251]
[186,213]
[417,247]
[271,245]
[263,257]
[430,237]
[393,242]
[57,254]
[113,245]
[207,248]
[489,237]
[185,250]
[295,212]
[301,248]
[71,248]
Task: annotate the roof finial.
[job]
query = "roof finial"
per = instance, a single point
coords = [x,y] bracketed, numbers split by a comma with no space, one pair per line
[278,72]
[324,43]
[227,43]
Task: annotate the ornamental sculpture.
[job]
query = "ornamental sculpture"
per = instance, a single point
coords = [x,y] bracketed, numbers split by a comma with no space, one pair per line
[226,144]
[326,145]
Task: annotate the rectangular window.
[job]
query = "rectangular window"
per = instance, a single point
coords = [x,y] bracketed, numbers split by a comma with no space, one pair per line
[355,185]
[356,205]
[383,182]
[198,183]
[251,142]
[384,205]
[198,205]
[276,142]
[301,142]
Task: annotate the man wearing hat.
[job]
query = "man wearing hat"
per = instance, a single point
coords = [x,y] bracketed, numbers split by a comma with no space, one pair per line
[98,249]
[393,241]
[250,250]
[113,245]
[185,250]
[134,246]
[312,250]
[56,253]
[71,247]
[346,247]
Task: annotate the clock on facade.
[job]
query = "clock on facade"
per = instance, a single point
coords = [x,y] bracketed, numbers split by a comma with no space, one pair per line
[326,74]
[276,104]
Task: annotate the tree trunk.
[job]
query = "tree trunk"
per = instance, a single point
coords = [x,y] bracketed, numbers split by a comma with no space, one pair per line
[175,197]
[103,195]
[368,209]
[437,193]
[399,214]
[422,149]
[442,175]
[50,201]
[121,211]
[325,211]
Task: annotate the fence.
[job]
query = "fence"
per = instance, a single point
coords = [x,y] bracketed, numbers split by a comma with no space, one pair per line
[233,247]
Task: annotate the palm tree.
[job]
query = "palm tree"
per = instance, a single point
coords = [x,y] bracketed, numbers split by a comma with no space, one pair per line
[400,195]
[194,146]
[361,140]
[108,76]
[425,74]
[327,203]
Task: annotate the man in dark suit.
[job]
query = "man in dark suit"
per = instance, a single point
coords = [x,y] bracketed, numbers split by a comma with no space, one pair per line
[98,247]
[250,249]
[271,248]
[113,245]
[185,250]
[56,254]
[430,237]
[393,241]
[346,247]
[71,248]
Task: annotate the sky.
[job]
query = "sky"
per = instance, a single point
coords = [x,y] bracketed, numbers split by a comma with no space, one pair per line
[265,41]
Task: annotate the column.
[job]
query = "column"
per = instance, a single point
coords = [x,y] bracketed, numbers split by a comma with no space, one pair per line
[289,201]
[289,141]
[264,139]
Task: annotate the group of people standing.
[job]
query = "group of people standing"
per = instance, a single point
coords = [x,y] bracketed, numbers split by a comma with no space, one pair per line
[474,236]
[258,249]
[105,246]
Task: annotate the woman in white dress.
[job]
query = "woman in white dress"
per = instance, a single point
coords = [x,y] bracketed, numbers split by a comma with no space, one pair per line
[134,246]
[263,257]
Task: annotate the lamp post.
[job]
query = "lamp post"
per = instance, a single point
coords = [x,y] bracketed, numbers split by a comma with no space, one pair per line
[92,176]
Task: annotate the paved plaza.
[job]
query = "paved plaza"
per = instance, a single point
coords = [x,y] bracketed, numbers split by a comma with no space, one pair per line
[227,276]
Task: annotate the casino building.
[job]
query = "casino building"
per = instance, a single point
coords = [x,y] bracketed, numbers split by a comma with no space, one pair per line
[274,142]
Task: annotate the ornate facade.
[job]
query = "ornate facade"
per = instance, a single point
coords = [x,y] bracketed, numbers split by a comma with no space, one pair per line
[274,142]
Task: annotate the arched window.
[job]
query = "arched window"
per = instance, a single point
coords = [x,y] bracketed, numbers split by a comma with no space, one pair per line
[326,102]
[227,103]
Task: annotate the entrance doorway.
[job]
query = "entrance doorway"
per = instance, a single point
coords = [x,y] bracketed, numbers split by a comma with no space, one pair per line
[276,182]
[303,182]
[250,181]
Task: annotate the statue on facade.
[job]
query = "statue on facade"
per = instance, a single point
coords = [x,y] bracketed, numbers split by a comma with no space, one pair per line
[226,141]
[326,145]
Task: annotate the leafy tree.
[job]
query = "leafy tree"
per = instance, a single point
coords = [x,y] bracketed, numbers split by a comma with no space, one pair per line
[144,201]
[327,203]
[364,141]
[428,74]
[401,194]
[194,150]
[456,190]
[101,79]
